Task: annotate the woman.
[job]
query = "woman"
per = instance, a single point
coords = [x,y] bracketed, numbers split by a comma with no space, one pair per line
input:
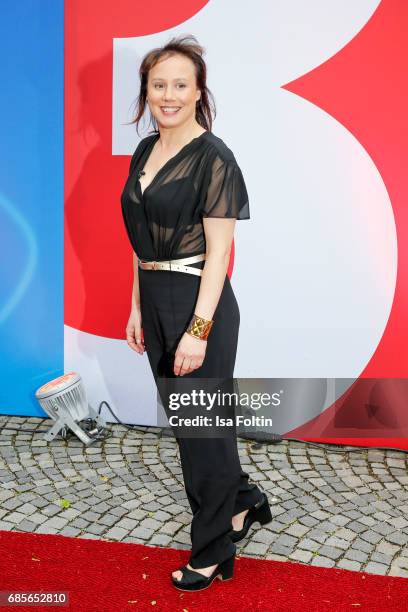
[180,202]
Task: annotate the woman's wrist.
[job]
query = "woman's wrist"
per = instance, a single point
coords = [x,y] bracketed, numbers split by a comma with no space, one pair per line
[199,327]
[135,307]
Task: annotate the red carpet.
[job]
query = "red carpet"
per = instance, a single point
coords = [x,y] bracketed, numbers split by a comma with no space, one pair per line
[113,577]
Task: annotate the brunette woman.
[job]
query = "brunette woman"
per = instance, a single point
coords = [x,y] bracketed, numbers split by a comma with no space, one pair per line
[180,203]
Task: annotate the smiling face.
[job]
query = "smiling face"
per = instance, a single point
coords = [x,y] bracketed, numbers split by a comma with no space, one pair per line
[172,91]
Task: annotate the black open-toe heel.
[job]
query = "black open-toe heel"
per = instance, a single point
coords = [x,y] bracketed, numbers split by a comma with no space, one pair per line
[260,513]
[194,581]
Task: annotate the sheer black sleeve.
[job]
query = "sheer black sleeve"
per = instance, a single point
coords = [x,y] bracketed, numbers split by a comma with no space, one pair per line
[227,195]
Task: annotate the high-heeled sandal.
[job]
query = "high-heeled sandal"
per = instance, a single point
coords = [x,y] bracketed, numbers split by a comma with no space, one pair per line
[194,581]
[260,513]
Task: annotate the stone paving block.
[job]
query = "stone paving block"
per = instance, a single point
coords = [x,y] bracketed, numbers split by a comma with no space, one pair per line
[297,530]
[399,522]
[357,527]
[330,552]
[94,528]
[11,504]
[4,495]
[317,535]
[150,523]
[369,521]
[375,568]
[387,548]
[117,511]
[304,556]
[286,540]
[38,518]
[116,533]
[275,526]
[101,507]
[310,545]
[51,510]
[137,514]
[338,543]
[383,528]
[131,504]
[152,506]
[381,558]
[309,521]
[90,516]
[401,562]
[128,524]
[275,557]
[174,509]
[255,548]
[286,518]
[347,564]
[161,539]
[56,522]
[44,528]
[170,527]
[339,520]
[280,549]
[398,571]
[356,555]
[142,533]
[264,537]
[162,516]
[15,518]
[362,545]
[323,561]
[273,475]
[398,537]
[80,523]
[182,537]
[345,534]
[27,526]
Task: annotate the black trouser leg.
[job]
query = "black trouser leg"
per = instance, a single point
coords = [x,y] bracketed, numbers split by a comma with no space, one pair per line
[216,486]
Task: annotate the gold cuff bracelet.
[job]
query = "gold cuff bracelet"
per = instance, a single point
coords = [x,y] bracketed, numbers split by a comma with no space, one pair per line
[199,327]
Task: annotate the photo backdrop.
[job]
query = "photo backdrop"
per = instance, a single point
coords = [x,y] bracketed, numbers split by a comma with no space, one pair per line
[312,103]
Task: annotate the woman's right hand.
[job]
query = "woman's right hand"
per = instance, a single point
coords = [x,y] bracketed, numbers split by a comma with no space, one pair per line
[134,332]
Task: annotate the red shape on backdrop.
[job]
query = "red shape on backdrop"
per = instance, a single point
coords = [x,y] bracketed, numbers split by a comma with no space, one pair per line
[98,256]
[364,87]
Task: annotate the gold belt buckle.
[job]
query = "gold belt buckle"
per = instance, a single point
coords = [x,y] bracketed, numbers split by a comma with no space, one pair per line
[153,265]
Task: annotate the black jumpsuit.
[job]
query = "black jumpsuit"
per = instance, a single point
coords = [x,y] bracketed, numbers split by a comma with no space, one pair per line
[165,222]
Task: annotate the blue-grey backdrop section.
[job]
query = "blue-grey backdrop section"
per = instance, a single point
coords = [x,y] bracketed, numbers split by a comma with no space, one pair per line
[31,200]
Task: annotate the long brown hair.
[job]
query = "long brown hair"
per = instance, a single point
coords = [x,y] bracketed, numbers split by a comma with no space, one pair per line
[188,46]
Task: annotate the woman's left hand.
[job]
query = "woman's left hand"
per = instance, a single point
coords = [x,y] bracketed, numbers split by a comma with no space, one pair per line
[189,355]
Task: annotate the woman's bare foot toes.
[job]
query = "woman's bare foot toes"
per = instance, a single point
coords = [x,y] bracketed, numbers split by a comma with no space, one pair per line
[205,571]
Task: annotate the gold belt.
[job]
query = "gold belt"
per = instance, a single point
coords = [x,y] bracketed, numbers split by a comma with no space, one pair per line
[174,265]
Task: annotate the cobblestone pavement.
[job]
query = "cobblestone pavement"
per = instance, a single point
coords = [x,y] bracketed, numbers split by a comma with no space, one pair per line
[331,509]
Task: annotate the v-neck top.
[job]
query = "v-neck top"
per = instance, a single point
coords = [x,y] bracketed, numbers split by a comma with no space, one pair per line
[202,180]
